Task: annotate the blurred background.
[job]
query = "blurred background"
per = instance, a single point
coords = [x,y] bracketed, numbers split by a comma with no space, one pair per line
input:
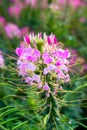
[67,19]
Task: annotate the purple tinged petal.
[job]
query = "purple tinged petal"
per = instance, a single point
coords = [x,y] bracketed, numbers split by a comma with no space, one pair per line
[66,54]
[45,54]
[28,79]
[55,40]
[48,94]
[48,40]
[51,67]
[31,66]
[12,30]
[33,55]
[40,85]
[47,58]
[45,71]
[59,63]
[19,51]
[37,53]
[36,78]
[60,53]
[27,39]
[30,58]
[46,87]
[67,78]
[39,35]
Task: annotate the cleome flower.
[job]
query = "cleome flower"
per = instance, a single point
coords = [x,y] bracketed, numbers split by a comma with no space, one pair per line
[12,30]
[42,62]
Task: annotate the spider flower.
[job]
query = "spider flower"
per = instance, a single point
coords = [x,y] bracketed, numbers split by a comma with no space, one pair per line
[15,10]
[2,21]
[12,30]
[43,62]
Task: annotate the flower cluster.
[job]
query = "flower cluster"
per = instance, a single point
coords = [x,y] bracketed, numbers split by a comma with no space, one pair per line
[12,30]
[17,6]
[43,62]
[60,4]
[2,21]
[1,60]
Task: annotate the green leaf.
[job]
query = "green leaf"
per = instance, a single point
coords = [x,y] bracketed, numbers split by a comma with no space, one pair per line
[3,128]
[19,125]
[46,119]
[82,124]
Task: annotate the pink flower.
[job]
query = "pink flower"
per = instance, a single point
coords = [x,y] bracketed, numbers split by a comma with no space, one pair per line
[36,78]
[19,51]
[60,53]
[50,67]
[63,53]
[58,63]
[24,68]
[76,3]
[52,39]
[46,71]
[31,80]
[66,54]
[12,30]
[82,19]
[47,58]
[31,66]
[46,87]
[35,54]
[49,40]
[16,9]
[40,35]
[38,67]
[28,80]
[27,39]
[2,21]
